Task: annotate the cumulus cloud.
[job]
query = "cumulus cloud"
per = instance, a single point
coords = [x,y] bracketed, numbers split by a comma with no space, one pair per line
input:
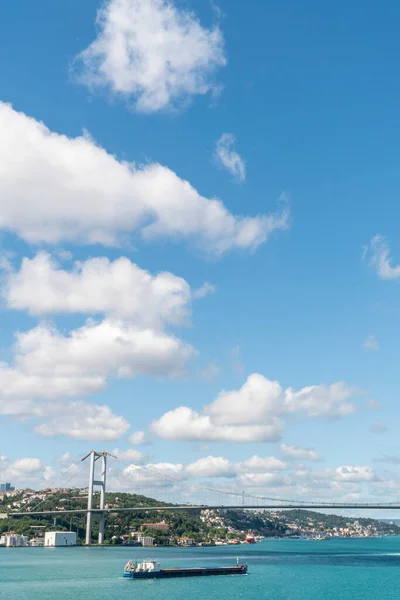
[152,476]
[211,466]
[153,53]
[355,474]
[189,481]
[185,424]
[257,398]
[130,455]
[119,288]
[26,470]
[322,401]
[256,464]
[50,366]
[371,343]
[137,438]
[100,200]
[299,453]
[204,468]
[255,412]
[379,258]
[74,419]
[263,480]
[267,476]
[89,354]
[226,156]
[82,421]
[20,387]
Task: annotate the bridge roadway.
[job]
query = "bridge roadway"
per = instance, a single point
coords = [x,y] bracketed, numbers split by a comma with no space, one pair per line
[211,507]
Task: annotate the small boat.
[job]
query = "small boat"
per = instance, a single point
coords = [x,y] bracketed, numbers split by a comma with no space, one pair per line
[150,569]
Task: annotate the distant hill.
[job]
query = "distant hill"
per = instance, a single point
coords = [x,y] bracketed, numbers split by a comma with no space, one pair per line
[203,526]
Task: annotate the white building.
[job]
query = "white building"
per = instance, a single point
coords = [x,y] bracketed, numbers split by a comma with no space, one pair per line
[36,542]
[146,540]
[60,538]
[12,540]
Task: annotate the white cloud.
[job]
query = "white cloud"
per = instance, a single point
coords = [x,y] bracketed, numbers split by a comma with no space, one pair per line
[149,477]
[26,470]
[49,367]
[185,482]
[185,424]
[387,489]
[227,157]
[203,291]
[25,466]
[355,474]
[257,398]
[371,343]
[96,286]
[264,477]
[254,412]
[82,421]
[130,455]
[154,54]
[96,350]
[205,467]
[101,200]
[20,387]
[165,468]
[137,438]
[379,258]
[321,401]
[256,464]
[262,480]
[211,466]
[299,453]
[65,459]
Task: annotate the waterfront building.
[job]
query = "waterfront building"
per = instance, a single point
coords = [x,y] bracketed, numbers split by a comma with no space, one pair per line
[13,540]
[186,541]
[60,538]
[146,540]
[36,542]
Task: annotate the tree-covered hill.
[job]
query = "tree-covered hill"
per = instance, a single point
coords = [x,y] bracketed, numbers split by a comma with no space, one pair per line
[204,526]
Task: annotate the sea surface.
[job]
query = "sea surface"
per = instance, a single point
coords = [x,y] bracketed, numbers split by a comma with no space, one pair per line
[352,569]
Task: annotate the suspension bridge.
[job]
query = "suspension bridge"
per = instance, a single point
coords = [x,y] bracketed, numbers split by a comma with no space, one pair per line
[217,499]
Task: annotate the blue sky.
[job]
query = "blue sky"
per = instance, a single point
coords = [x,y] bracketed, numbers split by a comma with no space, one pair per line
[309,95]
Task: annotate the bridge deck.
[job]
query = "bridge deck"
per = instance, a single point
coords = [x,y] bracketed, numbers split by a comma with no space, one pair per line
[211,507]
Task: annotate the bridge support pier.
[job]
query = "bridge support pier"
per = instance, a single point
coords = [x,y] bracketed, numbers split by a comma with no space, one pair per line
[94,456]
[102,497]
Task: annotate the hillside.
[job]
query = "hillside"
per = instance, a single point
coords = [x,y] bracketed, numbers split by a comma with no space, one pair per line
[202,526]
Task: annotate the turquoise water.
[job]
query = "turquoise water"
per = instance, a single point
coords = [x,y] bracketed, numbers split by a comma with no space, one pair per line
[278,570]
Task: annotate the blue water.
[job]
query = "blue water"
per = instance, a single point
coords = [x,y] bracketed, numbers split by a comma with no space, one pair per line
[278,570]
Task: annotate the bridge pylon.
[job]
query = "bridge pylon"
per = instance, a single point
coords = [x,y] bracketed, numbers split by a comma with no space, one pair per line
[94,457]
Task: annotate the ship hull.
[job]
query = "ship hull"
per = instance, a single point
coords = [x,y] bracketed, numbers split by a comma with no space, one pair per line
[190,572]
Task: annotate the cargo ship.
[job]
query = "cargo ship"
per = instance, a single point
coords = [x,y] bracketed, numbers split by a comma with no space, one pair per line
[150,569]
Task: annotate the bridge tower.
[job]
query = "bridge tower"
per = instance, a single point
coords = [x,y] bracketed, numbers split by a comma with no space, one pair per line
[94,457]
